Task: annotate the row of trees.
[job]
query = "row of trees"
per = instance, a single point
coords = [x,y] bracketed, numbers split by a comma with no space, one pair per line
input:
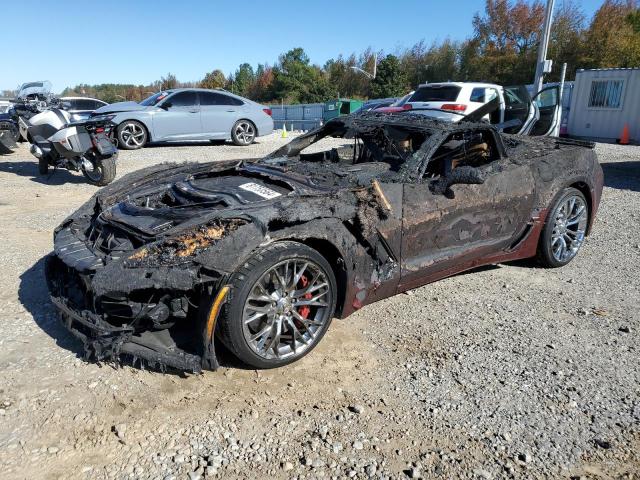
[503,49]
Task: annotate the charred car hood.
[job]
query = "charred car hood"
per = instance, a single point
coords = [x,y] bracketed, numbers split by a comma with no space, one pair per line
[162,208]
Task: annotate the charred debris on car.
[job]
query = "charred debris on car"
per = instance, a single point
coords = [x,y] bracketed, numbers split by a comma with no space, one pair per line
[142,268]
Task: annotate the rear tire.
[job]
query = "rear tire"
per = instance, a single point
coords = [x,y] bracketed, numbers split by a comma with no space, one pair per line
[132,135]
[301,312]
[104,173]
[243,133]
[564,230]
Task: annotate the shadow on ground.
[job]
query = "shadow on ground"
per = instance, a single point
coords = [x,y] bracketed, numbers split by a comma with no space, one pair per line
[58,176]
[622,175]
[34,296]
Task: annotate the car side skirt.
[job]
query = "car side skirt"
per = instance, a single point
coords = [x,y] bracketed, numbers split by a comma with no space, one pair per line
[525,248]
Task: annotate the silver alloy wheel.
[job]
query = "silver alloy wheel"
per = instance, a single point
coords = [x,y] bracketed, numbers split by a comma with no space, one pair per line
[569,228]
[245,132]
[132,135]
[91,170]
[286,309]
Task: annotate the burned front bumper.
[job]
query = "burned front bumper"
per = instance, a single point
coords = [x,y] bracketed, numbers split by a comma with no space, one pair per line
[100,323]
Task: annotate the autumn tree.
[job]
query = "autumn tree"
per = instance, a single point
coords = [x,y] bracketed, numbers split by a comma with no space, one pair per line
[612,37]
[215,79]
[344,77]
[390,80]
[438,62]
[567,43]
[504,46]
[170,81]
[261,88]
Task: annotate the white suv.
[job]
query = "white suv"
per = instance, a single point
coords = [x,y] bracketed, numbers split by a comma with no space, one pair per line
[517,112]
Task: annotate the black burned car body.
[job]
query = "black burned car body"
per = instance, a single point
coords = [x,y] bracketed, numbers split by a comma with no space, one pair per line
[262,254]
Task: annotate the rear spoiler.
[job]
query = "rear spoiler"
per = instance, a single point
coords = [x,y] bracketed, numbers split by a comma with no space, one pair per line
[575,142]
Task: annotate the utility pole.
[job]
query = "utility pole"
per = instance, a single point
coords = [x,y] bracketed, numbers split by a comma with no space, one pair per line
[544,66]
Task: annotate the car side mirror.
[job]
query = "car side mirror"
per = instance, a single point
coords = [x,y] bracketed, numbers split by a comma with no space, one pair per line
[166,105]
[464,175]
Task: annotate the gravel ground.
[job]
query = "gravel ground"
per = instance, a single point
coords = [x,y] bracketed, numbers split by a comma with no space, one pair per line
[506,372]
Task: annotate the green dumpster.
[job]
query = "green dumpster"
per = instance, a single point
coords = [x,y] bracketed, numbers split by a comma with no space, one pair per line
[339,107]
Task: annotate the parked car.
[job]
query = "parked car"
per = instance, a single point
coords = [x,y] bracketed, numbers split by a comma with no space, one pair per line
[9,132]
[398,105]
[263,254]
[5,106]
[373,105]
[81,108]
[517,112]
[188,114]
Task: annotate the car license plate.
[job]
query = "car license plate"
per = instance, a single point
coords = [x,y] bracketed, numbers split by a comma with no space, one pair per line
[103,144]
[260,190]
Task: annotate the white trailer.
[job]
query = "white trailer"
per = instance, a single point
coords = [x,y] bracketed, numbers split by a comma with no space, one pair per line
[603,102]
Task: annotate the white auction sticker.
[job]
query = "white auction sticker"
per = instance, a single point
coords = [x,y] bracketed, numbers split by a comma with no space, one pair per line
[260,190]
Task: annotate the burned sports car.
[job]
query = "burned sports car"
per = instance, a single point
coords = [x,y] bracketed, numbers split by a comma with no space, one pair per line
[260,255]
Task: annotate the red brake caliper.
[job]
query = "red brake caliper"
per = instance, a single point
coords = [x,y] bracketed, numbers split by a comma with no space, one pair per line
[305,310]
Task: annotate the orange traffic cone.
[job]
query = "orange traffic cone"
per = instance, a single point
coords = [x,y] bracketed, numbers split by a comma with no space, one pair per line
[624,139]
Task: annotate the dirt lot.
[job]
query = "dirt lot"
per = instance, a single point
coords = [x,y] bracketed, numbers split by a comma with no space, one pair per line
[506,372]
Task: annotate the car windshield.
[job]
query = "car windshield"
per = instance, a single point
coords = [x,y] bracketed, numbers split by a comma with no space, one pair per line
[34,88]
[403,100]
[436,93]
[154,99]
[367,142]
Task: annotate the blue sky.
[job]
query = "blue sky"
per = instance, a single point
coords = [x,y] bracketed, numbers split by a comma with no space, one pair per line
[137,41]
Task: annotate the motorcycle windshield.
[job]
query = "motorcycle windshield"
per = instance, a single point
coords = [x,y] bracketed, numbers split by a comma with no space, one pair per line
[34,88]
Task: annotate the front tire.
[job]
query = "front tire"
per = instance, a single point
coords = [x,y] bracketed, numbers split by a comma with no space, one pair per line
[132,135]
[280,305]
[564,230]
[43,165]
[243,133]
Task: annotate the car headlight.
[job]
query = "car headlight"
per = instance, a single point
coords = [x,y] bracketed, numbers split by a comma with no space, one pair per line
[103,118]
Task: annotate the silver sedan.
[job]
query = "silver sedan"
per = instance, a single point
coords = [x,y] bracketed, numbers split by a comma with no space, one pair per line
[188,114]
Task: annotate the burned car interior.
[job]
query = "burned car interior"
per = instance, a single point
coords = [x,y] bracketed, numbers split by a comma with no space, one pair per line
[153,264]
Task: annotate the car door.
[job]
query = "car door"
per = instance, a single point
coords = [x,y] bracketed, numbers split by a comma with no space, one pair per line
[549,107]
[518,107]
[178,117]
[219,112]
[442,235]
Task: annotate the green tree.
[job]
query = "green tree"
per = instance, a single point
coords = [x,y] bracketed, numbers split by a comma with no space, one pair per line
[215,79]
[295,80]
[634,20]
[243,79]
[390,80]
[612,38]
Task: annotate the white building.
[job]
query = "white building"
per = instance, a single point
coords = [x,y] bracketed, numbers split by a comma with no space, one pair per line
[603,101]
